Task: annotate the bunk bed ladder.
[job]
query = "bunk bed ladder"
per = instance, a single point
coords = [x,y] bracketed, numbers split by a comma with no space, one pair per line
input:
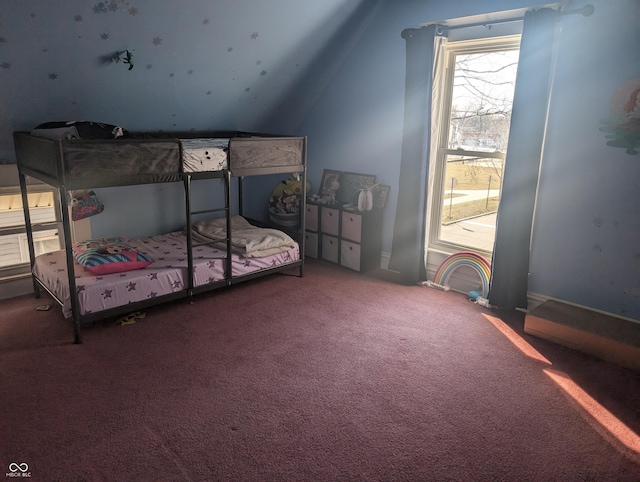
[188,178]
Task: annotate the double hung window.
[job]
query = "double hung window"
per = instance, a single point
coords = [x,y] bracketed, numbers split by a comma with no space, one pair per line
[478,81]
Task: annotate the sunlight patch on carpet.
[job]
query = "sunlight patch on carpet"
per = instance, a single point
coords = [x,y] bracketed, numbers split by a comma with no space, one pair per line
[600,414]
[599,417]
[516,339]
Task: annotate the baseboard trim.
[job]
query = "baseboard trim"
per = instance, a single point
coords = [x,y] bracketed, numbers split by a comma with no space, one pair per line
[536,299]
[604,336]
[465,280]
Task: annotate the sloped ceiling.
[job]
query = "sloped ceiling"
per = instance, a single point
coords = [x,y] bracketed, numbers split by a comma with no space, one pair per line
[197,64]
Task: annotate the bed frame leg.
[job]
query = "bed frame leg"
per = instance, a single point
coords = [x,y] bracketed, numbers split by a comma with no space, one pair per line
[77,335]
[36,290]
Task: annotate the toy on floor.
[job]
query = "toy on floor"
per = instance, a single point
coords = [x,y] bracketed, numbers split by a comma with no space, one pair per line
[455,261]
[131,318]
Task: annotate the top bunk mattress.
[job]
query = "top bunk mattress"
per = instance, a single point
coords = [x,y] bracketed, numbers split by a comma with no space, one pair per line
[204,154]
[143,158]
[158,157]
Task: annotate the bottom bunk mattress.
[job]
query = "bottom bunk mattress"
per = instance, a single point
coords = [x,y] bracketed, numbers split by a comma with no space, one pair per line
[166,274]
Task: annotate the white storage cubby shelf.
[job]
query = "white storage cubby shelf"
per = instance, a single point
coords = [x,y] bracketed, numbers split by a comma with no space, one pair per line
[349,238]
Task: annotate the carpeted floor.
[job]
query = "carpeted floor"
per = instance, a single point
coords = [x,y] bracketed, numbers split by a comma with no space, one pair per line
[332,377]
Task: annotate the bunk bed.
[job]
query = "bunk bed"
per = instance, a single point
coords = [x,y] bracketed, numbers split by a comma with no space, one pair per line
[217,248]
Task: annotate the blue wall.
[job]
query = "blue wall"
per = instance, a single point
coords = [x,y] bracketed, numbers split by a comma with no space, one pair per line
[586,239]
[586,235]
[334,71]
[198,65]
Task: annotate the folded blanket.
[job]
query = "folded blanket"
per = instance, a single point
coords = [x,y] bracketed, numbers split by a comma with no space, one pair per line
[247,240]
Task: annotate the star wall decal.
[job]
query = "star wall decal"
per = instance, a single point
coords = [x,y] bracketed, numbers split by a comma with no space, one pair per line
[2,40]
[104,36]
[78,18]
[113,6]
[5,65]
[263,73]
[53,76]
[254,35]
[205,21]
[156,41]
[229,49]
[100,7]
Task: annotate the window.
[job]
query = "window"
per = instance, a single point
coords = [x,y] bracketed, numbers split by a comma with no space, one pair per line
[14,248]
[476,101]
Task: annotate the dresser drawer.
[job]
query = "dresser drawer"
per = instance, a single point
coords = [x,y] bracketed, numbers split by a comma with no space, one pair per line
[350,255]
[330,248]
[311,217]
[311,244]
[351,226]
[330,221]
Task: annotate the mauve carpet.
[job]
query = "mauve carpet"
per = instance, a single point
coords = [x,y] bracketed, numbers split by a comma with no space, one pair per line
[333,377]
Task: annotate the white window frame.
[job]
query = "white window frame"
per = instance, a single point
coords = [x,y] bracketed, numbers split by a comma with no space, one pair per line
[507,42]
[24,268]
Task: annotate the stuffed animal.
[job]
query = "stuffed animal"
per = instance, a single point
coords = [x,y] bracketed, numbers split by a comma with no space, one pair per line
[290,186]
[329,190]
[285,198]
[291,203]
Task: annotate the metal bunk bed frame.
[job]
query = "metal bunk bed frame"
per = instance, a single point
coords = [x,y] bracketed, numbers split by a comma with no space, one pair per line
[60,182]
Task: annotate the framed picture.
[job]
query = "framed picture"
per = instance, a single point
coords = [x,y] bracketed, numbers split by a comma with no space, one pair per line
[350,185]
[380,195]
[329,186]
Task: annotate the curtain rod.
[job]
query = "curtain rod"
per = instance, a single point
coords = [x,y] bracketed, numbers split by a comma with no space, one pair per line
[585,11]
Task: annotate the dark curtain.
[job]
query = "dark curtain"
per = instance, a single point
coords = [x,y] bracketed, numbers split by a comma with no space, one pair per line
[510,263]
[408,248]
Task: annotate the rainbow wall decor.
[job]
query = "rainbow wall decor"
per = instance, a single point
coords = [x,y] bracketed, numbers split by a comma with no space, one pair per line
[463,258]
